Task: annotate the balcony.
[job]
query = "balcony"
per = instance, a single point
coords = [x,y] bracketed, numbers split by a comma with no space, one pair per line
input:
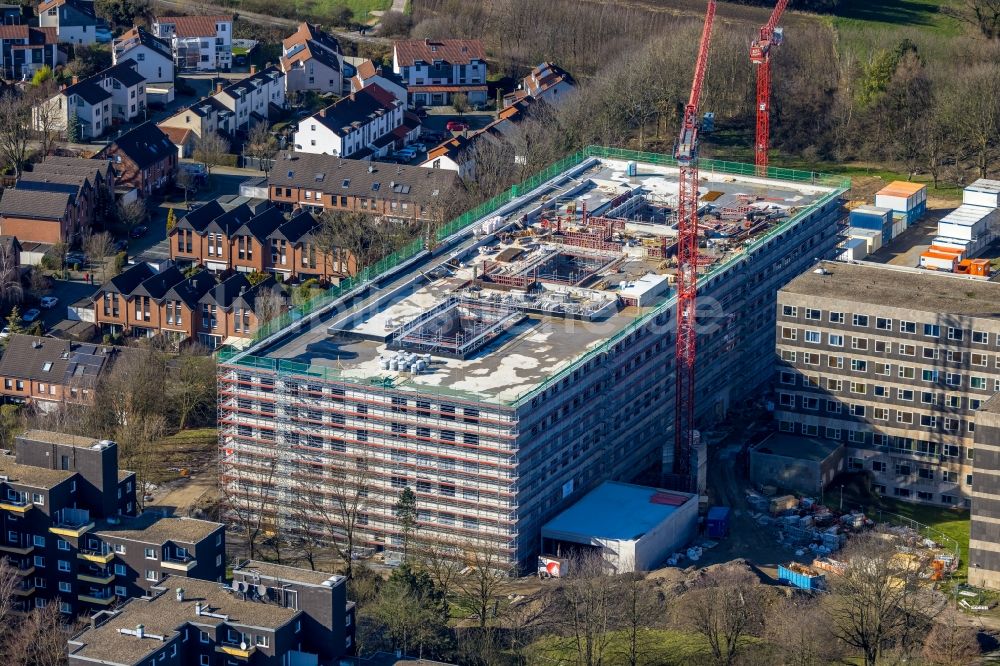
[98,576]
[97,556]
[25,587]
[98,598]
[236,650]
[16,549]
[72,523]
[16,506]
[184,564]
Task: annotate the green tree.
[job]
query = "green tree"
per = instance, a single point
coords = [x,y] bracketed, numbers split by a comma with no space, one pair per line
[171,220]
[73,128]
[406,513]
[42,74]
[256,277]
[122,13]
[460,102]
[413,611]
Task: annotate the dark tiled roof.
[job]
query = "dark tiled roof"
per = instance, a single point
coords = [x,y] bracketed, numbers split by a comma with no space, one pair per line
[27,357]
[192,289]
[125,72]
[89,90]
[129,280]
[231,220]
[455,51]
[248,299]
[360,107]
[252,82]
[299,226]
[157,286]
[194,26]
[224,293]
[198,219]
[145,145]
[140,36]
[344,177]
[261,226]
[32,204]
[308,32]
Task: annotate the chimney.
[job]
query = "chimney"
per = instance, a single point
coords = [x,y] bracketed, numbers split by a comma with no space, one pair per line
[180,594]
[322,112]
[140,630]
[197,608]
[75,79]
[219,86]
[253,69]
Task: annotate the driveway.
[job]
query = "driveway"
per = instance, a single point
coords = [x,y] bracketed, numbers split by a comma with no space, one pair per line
[68,292]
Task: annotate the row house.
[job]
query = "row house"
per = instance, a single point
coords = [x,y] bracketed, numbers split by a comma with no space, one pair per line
[25,49]
[71,532]
[143,303]
[434,71]
[255,99]
[143,158]
[312,60]
[394,191]
[267,242]
[198,42]
[50,372]
[114,95]
[369,122]
[74,22]
[58,200]
[271,615]
[367,74]
[206,116]
[152,55]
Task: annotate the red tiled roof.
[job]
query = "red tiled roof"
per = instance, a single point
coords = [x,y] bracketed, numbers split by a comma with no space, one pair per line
[456,88]
[195,26]
[177,135]
[366,69]
[455,51]
[13,32]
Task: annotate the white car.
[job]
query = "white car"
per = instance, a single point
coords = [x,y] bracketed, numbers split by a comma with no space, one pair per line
[49,302]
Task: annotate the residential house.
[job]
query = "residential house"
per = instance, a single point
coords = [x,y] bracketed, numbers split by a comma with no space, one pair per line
[24,50]
[271,615]
[434,71]
[296,253]
[204,236]
[143,158]
[311,59]
[548,82]
[368,74]
[114,95]
[198,42]
[188,125]
[234,309]
[49,372]
[367,123]
[395,191]
[152,55]
[11,14]
[74,21]
[454,154]
[58,200]
[255,99]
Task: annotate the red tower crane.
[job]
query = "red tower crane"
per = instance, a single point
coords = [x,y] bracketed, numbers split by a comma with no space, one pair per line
[760,55]
[687,268]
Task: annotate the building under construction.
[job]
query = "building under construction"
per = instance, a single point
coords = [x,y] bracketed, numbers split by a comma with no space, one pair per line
[526,359]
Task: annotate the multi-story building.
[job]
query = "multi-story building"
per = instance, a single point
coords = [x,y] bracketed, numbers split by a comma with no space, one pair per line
[205,116]
[984,529]
[368,123]
[271,615]
[152,55]
[325,182]
[74,21]
[114,95]
[49,372]
[58,200]
[367,74]
[311,59]
[434,71]
[894,363]
[254,99]
[198,42]
[143,158]
[24,50]
[499,381]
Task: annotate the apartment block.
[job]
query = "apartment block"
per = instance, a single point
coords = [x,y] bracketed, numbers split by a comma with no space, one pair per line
[472,378]
[198,42]
[49,372]
[367,123]
[152,54]
[255,99]
[143,158]
[434,71]
[25,49]
[984,529]
[114,95]
[271,615]
[894,363]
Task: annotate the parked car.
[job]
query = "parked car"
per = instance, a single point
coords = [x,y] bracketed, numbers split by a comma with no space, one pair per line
[5,333]
[139,231]
[76,259]
[419,147]
[48,302]
[31,315]
[406,153]
[121,245]
[457,126]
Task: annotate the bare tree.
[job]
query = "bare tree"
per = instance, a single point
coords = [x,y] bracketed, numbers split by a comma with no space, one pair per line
[45,115]
[191,390]
[262,146]
[442,562]
[99,247]
[270,304]
[39,639]
[726,607]
[15,128]
[248,497]
[210,149]
[485,582]
[9,578]
[875,604]
[983,14]
[185,180]
[951,642]
[131,214]
[639,605]
[978,115]
[11,290]
[588,602]
[799,634]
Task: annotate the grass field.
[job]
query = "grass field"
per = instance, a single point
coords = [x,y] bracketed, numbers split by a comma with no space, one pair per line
[926,15]
[358,7]
[184,451]
[659,646]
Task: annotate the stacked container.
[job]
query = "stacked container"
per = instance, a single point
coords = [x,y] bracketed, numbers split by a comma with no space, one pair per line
[970,226]
[910,199]
[873,218]
[871,237]
[983,192]
[854,249]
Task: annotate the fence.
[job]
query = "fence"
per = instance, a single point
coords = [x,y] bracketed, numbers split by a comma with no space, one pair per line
[487,208]
[925,530]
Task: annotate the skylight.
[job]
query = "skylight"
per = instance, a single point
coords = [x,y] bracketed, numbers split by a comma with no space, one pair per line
[47,366]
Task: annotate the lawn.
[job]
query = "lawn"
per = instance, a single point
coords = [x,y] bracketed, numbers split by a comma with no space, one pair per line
[360,8]
[659,646]
[926,15]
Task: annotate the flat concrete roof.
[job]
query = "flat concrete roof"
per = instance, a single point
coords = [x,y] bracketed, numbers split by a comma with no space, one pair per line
[800,448]
[616,511]
[899,287]
[540,345]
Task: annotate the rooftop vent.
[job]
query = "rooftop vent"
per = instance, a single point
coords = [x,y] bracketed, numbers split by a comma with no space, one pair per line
[180,594]
[821,271]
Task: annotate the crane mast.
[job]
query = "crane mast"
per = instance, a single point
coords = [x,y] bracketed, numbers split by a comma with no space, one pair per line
[687,269]
[760,55]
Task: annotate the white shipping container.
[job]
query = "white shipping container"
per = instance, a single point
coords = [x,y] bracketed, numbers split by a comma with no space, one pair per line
[855,249]
[937,263]
[900,204]
[983,192]
[872,238]
[957,243]
[959,231]
[967,222]
[898,227]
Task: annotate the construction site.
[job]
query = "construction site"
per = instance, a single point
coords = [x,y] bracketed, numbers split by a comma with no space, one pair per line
[527,359]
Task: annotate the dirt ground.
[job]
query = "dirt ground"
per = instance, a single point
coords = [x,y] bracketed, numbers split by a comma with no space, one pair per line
[187,496]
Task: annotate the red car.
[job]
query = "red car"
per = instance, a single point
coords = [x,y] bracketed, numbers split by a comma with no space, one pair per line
[456,126]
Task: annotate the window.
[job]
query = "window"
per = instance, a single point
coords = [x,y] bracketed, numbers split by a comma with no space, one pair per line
[152,575]
[786,378]
[833,407]
[39,541]
[905,394]
[884,369]
[65,587]
[907,327]
[928,421]
[955,357]
[880,391]
[856,410]
[61,544]
[931,353]
[859,365]
[789,333]
[883,324]
[977,382]
[858,387]
[901,492]
[786,355]
[836,340]
[978,359]
[932,330]
[861,320]
[836,317]
[929,375]
[119,569]
[834,384]
[904,417]
[262,640]
[878,466]
[980,338]
[907,372]
[883,347]
[120,549]
[150,553]
[954,333]
[813,337]
[880,414]
[953,379]
[810,403]
[814,314]
[63,565]
[836,362]
[949,476]
[907,350]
